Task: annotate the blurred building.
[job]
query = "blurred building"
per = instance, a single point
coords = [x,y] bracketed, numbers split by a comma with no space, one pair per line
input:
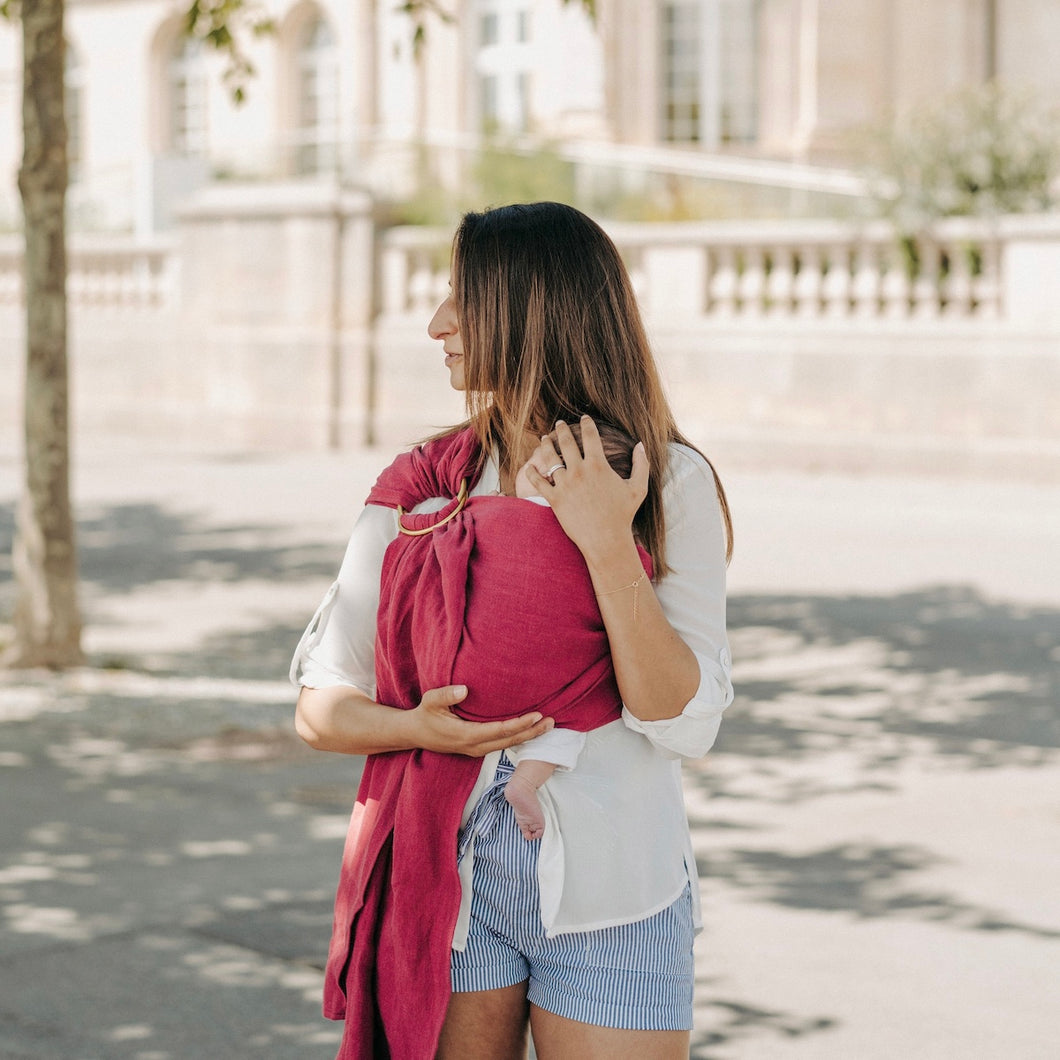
[339,88]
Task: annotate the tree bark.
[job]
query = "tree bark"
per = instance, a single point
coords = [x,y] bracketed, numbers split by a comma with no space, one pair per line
[47,618]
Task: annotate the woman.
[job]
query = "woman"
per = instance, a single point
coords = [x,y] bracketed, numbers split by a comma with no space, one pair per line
[541,324]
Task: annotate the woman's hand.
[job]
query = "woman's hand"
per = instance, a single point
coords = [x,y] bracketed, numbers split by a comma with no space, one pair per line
[657,672]
[594,505]
[345,720]
[442,730]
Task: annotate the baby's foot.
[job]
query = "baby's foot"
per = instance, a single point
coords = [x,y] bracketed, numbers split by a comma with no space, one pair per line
[522,797]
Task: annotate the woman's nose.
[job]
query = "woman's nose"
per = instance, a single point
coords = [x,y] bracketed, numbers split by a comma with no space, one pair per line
[443,322]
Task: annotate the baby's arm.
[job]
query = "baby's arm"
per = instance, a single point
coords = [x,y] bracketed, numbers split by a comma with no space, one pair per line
[535,761]
[560,747]
[521,793]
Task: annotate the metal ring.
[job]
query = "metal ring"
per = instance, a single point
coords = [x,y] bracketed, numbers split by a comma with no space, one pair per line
[461,500]
[553,469]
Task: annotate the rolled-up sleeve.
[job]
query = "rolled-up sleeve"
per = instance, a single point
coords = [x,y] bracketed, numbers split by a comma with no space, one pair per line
[692,596]
[338,646]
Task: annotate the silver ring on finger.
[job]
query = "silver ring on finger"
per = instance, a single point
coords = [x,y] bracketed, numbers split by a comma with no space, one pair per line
[554,468]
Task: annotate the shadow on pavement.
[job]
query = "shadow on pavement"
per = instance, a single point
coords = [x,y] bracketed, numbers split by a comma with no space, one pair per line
[178,838]
[968,677]
[128,547]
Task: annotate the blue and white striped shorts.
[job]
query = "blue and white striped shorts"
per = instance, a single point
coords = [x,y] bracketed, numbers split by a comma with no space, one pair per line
[636,976]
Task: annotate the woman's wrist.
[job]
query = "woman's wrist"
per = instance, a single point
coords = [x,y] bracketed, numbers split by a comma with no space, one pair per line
[614,563]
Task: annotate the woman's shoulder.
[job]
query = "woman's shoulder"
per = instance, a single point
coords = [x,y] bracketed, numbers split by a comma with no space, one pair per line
[690,489]
[684,463]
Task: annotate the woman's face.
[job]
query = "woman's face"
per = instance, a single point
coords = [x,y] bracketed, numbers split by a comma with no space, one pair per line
[445,327]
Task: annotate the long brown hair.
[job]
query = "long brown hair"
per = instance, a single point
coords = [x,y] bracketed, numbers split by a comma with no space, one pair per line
[551,330]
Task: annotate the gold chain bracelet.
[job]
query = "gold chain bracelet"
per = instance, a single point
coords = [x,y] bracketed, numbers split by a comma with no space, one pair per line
[634,585]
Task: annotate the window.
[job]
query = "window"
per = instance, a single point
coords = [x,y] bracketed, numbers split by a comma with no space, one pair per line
[187,96]
[488,101]
[522,85]
[503,62]
[681,72]
[489,29]
[316,81]
[708,71]
[738,103]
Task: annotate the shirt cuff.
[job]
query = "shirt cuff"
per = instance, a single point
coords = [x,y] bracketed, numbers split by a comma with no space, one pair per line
[692,733]
[560,747]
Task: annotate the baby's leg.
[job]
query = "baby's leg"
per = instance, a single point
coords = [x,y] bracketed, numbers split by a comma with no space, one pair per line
[521,793]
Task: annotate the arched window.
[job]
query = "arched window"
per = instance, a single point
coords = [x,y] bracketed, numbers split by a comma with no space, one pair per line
[316,98]
[74,84]
[187,99]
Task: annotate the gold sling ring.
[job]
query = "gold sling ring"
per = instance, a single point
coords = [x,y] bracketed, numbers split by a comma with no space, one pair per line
[461,500]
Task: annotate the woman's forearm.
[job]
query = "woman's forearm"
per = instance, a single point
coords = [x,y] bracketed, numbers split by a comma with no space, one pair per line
[344,719]
[657,672]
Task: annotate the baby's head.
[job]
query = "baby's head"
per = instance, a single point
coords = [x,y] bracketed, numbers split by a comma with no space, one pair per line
[618,448]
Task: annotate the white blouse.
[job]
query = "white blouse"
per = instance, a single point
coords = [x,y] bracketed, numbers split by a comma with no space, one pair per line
[616,846]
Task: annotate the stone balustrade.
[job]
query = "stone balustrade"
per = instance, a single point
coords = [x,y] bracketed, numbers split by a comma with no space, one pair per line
[818,271]
[281,317]
[113,272]
[813,271]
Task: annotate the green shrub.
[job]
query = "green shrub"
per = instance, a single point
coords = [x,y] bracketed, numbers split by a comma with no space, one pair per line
[982,152]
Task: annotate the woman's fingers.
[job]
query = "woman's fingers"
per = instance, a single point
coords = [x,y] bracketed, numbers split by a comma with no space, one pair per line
[592,446]
[519,730]
[568,447]
[638,478]
[545,458]
[441,699]
[538,480]
[452,734]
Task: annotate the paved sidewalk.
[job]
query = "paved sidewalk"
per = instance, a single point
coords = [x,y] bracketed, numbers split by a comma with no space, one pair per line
[878,828]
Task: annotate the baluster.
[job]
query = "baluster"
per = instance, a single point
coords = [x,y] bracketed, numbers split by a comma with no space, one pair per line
[752,283]
[131,283]
[421,284]
[957,289]
[394,275]
[638,275]
[160,275]
[986,287]
[780,282]
[865,283]
[440,289]
[97,277]
[150,293]
[112,284]
[835,288]
[89,281]
[895,289]
[154,281]
[807,286]
[926,284]
[723,282]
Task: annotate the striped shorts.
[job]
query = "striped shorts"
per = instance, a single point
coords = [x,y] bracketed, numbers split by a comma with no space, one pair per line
[635,976]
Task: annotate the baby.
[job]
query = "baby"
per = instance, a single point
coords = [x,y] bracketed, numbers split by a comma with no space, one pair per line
[537,759]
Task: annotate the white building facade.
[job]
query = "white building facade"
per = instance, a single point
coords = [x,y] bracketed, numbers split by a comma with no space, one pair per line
[338,87]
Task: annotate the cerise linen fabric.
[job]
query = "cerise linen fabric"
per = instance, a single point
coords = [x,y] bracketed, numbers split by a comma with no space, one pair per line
[496,597]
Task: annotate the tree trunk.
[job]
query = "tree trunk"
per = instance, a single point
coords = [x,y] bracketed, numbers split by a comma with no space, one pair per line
[47,618]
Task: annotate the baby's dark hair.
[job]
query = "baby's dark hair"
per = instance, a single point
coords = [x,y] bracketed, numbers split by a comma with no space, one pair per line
[618,446]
